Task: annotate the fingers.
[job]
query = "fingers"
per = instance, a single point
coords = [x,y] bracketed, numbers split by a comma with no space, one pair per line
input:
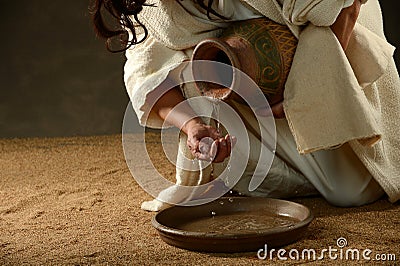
[224,146]
[264,112]
[209,149]
[277,110]
[193,146]
[206,143]
[231,140]
[222,152]
[230,143]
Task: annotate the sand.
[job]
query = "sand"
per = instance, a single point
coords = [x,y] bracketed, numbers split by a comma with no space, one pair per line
[73,201]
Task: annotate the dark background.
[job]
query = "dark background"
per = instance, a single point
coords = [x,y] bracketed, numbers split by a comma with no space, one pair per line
[56,77]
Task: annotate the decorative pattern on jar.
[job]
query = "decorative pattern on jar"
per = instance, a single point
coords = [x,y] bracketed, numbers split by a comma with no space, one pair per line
[261,48]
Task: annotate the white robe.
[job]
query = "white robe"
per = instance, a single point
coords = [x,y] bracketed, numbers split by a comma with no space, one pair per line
[355,95]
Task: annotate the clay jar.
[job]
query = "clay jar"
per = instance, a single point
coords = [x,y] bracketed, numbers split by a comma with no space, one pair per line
[259,47]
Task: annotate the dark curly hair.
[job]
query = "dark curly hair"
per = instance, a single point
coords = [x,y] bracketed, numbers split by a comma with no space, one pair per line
[122,12]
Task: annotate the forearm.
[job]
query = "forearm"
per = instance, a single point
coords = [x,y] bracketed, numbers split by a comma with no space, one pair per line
[345,22]
[172,108]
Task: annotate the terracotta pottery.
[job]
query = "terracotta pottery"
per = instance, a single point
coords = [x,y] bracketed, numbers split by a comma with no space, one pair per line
[260,48]
[233,224]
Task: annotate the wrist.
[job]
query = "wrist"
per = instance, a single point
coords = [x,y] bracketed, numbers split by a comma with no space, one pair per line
[191,123]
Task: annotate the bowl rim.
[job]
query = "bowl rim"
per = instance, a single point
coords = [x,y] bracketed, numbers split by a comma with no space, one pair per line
[165,229]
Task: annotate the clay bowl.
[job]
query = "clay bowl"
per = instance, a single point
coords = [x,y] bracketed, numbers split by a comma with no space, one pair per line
[235,224]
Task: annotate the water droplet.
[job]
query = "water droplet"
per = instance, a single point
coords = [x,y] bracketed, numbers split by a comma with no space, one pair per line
[230,191]
[230,199]
[213,213]
[228,167]
[221,203]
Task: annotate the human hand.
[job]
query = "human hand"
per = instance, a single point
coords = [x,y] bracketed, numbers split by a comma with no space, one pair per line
[276,109]
[345,22]
[206,143]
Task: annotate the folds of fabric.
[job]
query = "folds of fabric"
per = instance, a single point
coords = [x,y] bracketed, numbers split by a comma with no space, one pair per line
[332,97]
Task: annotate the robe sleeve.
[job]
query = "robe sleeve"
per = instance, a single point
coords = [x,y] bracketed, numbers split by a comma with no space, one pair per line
[326,100]
[316,12]
[149,64]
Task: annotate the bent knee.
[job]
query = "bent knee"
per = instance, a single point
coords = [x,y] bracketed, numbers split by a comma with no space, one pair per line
[353,198]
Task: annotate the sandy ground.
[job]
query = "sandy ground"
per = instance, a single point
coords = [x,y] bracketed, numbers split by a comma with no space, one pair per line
[73,201]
